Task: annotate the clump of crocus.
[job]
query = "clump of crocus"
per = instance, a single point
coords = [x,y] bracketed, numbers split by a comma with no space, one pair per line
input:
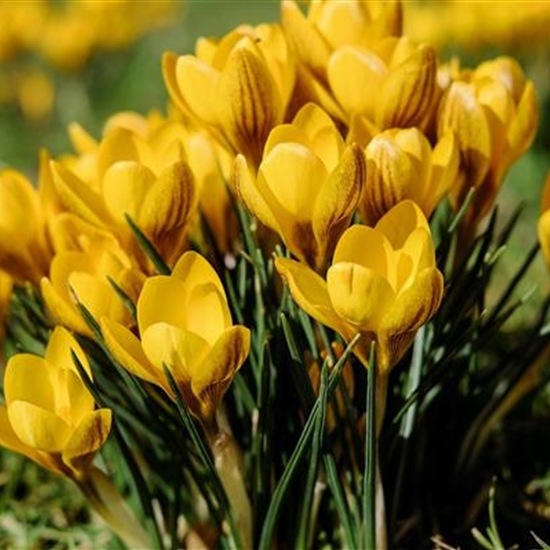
[307,186]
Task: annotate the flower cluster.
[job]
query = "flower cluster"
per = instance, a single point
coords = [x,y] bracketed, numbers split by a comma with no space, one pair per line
[64,38]
[313,152]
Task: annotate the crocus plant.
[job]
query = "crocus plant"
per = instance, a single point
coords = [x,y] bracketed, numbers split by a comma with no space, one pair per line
[265,316]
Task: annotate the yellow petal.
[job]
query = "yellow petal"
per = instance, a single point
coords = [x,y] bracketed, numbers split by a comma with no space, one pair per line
[247,100]
[196,84]
[354,76]
[89,436]
[194,270]
[169,64]
[245,188]
[416,305]
[338,199]
[161,300]
[118,145]
[211,378]
[81,140]
[169,202]
[179,350]
[405,95]
[98,296]
[127,350]
[391,178]
[366,247]
[419,246]
[445,166]
[124,187]
[38,428]
[309,291]
[401,221]
[27,379]
[60,346]
[461,113]
[341,23]
[359,295]
[289,180]
[62,309]
[9,439]
[324,138]
[310,46]
[78,196]
[523,126]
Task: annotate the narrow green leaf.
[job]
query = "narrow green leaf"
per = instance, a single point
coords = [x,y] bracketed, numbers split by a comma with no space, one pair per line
[369,476]
[126,300]
[462,210]
[304,534]
[199,440]
[285,482]
[148,248]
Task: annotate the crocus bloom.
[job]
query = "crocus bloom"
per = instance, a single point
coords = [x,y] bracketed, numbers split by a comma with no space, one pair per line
[49,414]
[307,186]
[184,324]
[84,276]
[401,164]
[327,27]
[24,252]
[383,284]
[160,204]
[494,114]
[238,87]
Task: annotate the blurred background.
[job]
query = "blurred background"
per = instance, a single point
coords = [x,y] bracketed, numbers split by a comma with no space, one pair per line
[65,61]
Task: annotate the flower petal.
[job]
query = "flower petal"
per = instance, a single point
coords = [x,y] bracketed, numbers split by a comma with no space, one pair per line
[89,436]
[399,222]
[211,378]
[416,305]
[244,186]
[309,291]
[359,295]
[127,350]
[27,379]
[38,428]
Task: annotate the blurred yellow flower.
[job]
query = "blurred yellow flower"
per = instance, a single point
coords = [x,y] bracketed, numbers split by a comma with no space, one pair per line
[383,284]
[238,87]
[489,25]
[401,164]
[184,324]
[307,186]
[6,286]
[494,114]
[84,276]
[49,414]
[544,221]
[24,251]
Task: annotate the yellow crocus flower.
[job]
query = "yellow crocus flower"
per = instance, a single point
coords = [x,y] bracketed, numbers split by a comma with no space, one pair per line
[383,284]
[49,414]
[160,205]
[24,251]
[307,186]
[401,164]
[184,324]
[83,275]
[392,83]
[238,87]
[494,114]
